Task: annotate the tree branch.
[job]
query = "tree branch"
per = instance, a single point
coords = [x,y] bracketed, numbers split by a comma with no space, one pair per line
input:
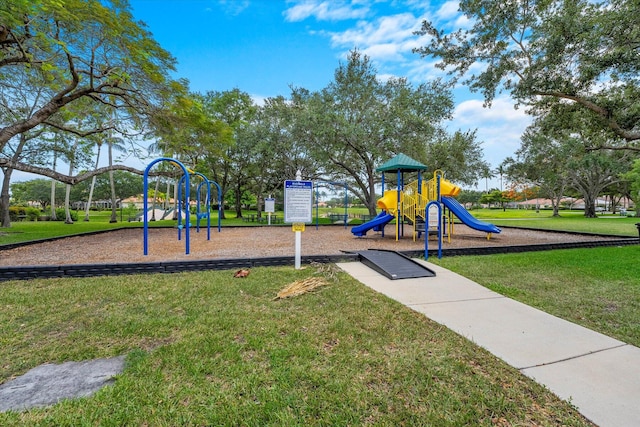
[69,179]
[76,131]
[626,134]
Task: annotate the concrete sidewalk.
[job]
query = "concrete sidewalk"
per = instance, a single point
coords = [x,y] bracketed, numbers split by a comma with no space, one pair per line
[596,373]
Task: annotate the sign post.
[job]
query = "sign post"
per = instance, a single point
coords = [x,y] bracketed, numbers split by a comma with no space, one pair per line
[298,198]
[269,207]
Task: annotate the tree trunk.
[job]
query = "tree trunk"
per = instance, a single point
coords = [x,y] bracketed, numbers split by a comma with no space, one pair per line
[93,184]
[114,216]
[155,200]
[556,206]
[371,202]
[238,194]
[86,209]
[53,191]
[67,211]
[259,205]
[5,217]
[589,206]
[165,205]
[4,198]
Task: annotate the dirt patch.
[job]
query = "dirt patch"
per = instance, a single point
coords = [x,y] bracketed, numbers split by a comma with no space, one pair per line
[126,246]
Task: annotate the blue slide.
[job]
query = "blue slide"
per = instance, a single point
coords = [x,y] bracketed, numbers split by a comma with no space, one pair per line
[379,221]
[468,219]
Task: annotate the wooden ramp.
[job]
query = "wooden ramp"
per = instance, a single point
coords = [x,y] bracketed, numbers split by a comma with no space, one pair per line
[393,264]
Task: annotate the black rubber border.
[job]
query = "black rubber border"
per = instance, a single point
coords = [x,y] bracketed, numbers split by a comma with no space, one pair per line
[92,270]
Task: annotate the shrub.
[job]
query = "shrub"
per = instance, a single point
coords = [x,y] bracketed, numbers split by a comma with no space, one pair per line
[33,214]
[61,215]
[17,213]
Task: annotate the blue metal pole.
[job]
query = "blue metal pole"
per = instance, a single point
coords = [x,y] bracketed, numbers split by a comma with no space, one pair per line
[219,203]
[182,179]
[146,196]
[346,202]
[382,228]
[145,202]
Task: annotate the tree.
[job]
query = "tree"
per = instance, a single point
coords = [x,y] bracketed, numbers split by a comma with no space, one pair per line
[35,190]
[633,178]
[500,171]
[90,50]
[357,122]
[228,163]
[583,53]
[486,173]
[458,155]
[276,154]
[126,185]
[592,172]
[541,161]
[495,197]
[469,197]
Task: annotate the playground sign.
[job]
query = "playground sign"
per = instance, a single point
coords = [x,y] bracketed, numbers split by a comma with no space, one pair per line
[270,205]
[298,198]
[434,216]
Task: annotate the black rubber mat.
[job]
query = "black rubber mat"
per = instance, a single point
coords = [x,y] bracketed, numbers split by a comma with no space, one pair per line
[393,264]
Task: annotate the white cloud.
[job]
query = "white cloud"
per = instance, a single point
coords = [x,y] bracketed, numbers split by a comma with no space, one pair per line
[499,127]
[450,16]
[423,70]
[395,28]
[385,51]
[232,7]
[448,10]
[463,22]
[325,10]
[501,110]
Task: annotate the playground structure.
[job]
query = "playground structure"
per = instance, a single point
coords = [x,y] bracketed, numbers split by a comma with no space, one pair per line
[203,207]
[420,203]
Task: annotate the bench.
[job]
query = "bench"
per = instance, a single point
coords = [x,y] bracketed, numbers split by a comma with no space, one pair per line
[336,217]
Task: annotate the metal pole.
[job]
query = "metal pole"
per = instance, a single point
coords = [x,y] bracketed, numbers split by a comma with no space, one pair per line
[298,242]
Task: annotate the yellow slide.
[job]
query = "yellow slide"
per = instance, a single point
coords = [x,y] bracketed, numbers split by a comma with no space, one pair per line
[389,202]
[448,189]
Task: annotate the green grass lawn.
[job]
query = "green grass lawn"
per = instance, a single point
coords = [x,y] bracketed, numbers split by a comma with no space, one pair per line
[567,221]
[204,348]
[207,349]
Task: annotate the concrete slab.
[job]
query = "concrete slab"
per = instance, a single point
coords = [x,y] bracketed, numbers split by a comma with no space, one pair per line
[604,386]
[520,335]
[49,384]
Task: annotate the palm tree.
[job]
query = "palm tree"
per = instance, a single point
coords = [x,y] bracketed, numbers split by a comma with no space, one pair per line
[93,181]
[486,173]
[501,170]
[113,143]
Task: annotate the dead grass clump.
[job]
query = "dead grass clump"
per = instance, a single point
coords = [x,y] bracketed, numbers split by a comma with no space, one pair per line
[300,287]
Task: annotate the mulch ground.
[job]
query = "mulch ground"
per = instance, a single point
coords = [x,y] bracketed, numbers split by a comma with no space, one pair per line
[126,246]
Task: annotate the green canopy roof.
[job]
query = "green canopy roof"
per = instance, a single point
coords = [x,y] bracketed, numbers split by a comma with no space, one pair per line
[403,163]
